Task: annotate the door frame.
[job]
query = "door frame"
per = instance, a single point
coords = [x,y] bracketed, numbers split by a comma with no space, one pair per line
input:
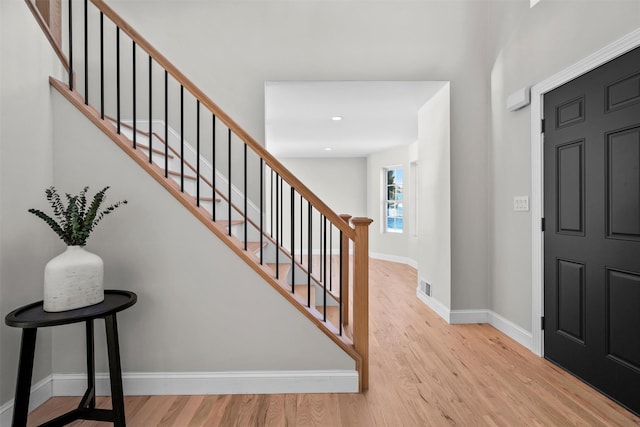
[606,54]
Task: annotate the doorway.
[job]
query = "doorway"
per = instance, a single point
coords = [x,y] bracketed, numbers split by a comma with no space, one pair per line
[592,227]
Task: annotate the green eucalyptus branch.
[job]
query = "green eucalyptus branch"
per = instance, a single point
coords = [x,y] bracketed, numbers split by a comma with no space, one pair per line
[74,222]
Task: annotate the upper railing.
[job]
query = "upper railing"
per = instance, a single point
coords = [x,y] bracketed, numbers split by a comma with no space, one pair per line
[125,76]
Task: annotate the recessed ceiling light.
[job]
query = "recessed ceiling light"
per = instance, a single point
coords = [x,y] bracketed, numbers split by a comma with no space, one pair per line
[328,149]
[337,118]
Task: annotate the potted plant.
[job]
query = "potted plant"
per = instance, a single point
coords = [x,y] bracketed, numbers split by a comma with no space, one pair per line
[74,278]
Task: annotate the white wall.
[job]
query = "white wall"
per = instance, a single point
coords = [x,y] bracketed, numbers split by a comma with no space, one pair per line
[527,46]
[435,225]
[230,49]
[26,243]
[339,182]
[200,307]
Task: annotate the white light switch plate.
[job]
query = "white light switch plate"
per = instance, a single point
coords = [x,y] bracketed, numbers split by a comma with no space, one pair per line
[521,203]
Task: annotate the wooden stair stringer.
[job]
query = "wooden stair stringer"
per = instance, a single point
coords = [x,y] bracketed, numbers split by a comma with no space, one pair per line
[204,216]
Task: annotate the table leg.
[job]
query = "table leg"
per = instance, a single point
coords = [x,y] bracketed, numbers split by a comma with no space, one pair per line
[25,372]
[89,398]
[115,371]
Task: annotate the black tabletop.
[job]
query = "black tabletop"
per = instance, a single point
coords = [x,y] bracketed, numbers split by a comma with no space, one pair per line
[34,316]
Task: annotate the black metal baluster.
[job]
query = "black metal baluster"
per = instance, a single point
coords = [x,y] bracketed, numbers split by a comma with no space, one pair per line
[101,66]
[135,131]
[281,213]
[150,111]
[309,241]
[229,178]
[320,243]
[261,208]
[118,78]
[198,153]
[341,285]
[331,256]
[181,138]
[86,54]
[293,247]
[301,226]
[277,229]
[324,248]
[246,220]
[70,47]
[166,124]
[213,165]
[271,205]
[324,267]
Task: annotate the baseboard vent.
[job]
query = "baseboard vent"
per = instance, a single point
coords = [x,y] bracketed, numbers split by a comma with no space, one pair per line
[425,287]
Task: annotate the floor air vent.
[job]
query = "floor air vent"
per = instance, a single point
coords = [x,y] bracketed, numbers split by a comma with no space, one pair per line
[425,287]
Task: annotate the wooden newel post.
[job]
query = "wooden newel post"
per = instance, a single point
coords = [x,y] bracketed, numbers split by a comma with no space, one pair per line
[361,296]
[344,277]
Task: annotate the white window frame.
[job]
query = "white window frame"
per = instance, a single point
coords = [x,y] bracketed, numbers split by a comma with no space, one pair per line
[386,202]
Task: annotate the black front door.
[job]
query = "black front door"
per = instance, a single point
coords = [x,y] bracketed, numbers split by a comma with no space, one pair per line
[592,235]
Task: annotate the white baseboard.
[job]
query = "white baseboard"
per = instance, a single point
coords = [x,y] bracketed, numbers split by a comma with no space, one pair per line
[513,331]
[393,258]
[184,383]
[40,393]
[459,317]
[434,305]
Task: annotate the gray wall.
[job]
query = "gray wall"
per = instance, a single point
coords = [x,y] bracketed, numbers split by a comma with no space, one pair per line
[201,308]
[340,182]
[434,226]
[525,47]
[26,243]
[231,48]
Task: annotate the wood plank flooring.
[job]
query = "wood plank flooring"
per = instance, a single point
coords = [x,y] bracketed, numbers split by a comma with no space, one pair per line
[423,373]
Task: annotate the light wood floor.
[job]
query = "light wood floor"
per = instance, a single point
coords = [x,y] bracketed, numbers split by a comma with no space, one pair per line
[423,372]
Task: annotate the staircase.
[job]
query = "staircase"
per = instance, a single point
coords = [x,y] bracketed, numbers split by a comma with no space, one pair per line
[225,178]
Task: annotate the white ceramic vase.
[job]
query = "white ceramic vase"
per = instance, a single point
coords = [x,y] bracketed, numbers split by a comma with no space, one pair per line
[73,279]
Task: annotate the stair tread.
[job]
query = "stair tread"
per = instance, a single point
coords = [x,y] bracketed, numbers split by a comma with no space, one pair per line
[175,173]
[233,222]
[210,199]
[303,292]
[283,270]
[333,313]
[254,246]
[155,150]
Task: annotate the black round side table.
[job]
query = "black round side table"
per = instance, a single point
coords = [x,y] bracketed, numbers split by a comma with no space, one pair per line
[32,316]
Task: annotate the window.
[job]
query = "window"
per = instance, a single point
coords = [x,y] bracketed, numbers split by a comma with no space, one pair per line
[393,200]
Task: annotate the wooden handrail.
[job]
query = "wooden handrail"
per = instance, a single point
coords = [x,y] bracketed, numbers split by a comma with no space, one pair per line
[47,32]
[271,161]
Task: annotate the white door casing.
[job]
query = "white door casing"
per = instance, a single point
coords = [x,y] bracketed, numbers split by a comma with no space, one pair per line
[606,54]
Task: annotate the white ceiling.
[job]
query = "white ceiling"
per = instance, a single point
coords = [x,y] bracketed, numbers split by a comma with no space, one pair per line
[377,115]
